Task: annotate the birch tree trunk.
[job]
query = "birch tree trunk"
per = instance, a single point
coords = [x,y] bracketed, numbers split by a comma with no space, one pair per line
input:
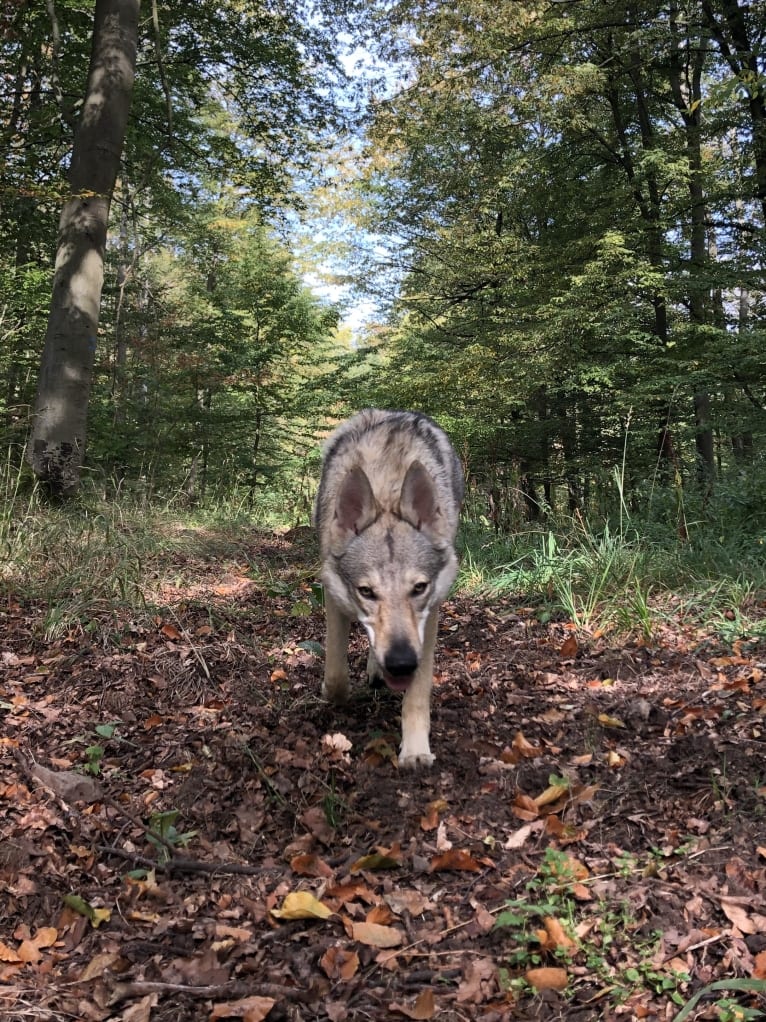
[56,446]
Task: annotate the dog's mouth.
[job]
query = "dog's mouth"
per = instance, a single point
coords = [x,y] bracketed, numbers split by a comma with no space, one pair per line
[397,683]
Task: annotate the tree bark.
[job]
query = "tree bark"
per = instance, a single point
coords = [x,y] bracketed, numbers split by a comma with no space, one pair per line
[56,445]
[686,65]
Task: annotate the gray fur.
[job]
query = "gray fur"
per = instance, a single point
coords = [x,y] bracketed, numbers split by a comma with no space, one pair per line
[386,514]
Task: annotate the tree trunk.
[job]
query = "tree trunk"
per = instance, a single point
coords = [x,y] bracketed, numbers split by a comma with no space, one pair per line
[56,446]
[687,60]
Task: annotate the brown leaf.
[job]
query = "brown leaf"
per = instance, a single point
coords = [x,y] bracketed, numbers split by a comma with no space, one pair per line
[27,952]
[407,901]
[423,1008]
[345,893]
[525,808]
[249,1009]
[547,978]
[7,954]
[479,981]
[68,784]
[525,748]
[519,837]
[569,648]
[380,914]
[455,858]
[310,865]
[556,937]
[339,963]
[375,935]
[735,909]
[170,631]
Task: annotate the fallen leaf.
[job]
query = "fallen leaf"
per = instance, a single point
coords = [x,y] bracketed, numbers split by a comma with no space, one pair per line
[455,858]
[607,721]
[98,965]
[569,648]
[525,808]
[443,843]
[339,963]
[68,784]
[390,858]
[424,1006]
[525,748]
[519,837]
[97,916]
[250,1009]
[479,981]
[407,901]
[302,905]
[310,865]
[380,914]
[551,794]
[556,937]
[337,741]
[547,978]
[375,935]
[27,952]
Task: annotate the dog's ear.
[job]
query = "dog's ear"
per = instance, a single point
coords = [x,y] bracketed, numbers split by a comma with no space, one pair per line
[355,507]
[417,502]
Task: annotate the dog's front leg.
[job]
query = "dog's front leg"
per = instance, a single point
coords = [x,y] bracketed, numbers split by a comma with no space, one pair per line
[416,705]
[335,685]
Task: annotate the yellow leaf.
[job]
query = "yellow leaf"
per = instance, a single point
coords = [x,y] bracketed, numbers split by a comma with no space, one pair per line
[607,721]
[551,794]
[302,905]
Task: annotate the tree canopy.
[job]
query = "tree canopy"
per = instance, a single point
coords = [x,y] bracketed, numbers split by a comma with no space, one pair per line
[558,207]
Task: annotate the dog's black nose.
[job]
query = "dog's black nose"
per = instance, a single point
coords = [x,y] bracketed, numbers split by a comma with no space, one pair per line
[401,659]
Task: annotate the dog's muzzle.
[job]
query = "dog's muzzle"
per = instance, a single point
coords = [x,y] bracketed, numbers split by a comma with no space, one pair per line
[399,666]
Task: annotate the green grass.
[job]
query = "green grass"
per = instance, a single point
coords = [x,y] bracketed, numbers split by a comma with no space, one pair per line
[630,580]
[92,557]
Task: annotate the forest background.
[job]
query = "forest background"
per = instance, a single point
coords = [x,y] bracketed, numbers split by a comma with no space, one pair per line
[555,209]
[224,226]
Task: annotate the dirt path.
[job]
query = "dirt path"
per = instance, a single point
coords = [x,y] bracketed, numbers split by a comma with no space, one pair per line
[595,821]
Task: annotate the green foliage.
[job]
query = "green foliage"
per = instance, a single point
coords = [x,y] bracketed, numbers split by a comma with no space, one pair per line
[574,263]
[213,396]
[164,836]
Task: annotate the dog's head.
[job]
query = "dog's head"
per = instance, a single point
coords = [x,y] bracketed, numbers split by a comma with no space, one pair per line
[390,569]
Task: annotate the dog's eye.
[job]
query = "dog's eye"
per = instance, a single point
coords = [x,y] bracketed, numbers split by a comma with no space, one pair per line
[418,589]
[366,593]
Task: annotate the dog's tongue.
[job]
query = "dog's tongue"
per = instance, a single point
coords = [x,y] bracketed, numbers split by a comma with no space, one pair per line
[397,684]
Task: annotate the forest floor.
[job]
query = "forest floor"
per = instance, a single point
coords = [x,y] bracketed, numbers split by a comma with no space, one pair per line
[187,832]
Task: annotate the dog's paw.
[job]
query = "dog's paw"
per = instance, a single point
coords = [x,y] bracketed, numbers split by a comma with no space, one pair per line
[415,761]
[336,690]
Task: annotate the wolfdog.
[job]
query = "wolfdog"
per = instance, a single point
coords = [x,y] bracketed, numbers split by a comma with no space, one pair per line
[386,514]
